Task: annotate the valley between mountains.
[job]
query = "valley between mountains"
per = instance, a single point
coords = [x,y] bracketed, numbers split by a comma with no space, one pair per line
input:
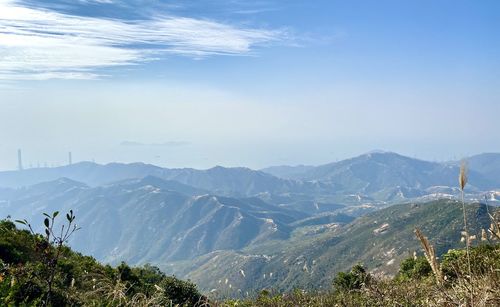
[237,229]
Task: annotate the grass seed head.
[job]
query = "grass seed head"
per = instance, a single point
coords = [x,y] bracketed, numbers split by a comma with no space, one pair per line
[463,177]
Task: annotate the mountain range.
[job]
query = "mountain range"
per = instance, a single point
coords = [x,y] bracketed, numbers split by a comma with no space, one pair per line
[281,226]
[377,176]
[150,219]
[379,170]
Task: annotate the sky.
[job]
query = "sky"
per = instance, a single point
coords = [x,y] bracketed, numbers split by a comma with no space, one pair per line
[246,83]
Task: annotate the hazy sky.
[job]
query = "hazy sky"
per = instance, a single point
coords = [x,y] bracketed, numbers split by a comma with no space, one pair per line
[247,83]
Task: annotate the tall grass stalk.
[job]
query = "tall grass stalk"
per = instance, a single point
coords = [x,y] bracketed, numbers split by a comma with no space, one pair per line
[462,181]
[494,229]
[430,255]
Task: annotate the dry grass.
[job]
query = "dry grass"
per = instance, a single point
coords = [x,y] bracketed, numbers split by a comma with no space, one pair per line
[430,255]
[462,181]
[494,229]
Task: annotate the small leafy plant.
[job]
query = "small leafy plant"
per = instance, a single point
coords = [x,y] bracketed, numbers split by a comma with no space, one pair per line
[50,246]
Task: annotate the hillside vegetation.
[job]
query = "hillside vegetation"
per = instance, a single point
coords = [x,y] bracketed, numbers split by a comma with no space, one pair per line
[414,285]
[314,254]
[29,263]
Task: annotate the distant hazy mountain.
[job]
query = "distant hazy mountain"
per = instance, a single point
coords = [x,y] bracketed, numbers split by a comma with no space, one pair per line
[86,172]
[487,164]
[237,181]
[377,178]
[219,180]
[387,175]
[287,172]
[150,219]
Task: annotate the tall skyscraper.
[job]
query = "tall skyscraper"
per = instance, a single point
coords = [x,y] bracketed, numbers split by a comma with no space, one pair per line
[19,160]
[70,158]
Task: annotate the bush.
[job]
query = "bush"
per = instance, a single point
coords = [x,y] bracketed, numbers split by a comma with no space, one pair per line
[412,268]
[354,280]
[180,292]
[484,258]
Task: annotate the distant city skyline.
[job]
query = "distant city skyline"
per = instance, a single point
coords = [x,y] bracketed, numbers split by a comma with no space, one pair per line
[246,83]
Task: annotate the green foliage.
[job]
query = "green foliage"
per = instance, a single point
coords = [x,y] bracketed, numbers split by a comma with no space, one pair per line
[484,258]
[412,268]
[353,280]
[48,251]
[14,245]
[78,280]
[180,292]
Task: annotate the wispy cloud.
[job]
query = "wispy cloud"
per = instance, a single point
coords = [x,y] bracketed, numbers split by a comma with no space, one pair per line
[98,1]
[44,44]
[164,144]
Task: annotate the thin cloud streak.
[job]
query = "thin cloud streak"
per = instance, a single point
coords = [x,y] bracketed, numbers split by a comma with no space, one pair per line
[38,44]
[164,144]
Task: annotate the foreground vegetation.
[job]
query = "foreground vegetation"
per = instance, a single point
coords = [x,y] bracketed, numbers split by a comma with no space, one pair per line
[37,270]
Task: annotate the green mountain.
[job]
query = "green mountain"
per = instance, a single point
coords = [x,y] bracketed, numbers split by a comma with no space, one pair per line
[314,254]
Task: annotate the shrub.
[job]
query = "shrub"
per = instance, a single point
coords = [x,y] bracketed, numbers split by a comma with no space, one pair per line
[353,280]
[484,258]
[414,268]
[180,292]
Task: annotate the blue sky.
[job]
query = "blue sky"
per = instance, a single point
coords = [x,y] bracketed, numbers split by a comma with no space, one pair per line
[253,83]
